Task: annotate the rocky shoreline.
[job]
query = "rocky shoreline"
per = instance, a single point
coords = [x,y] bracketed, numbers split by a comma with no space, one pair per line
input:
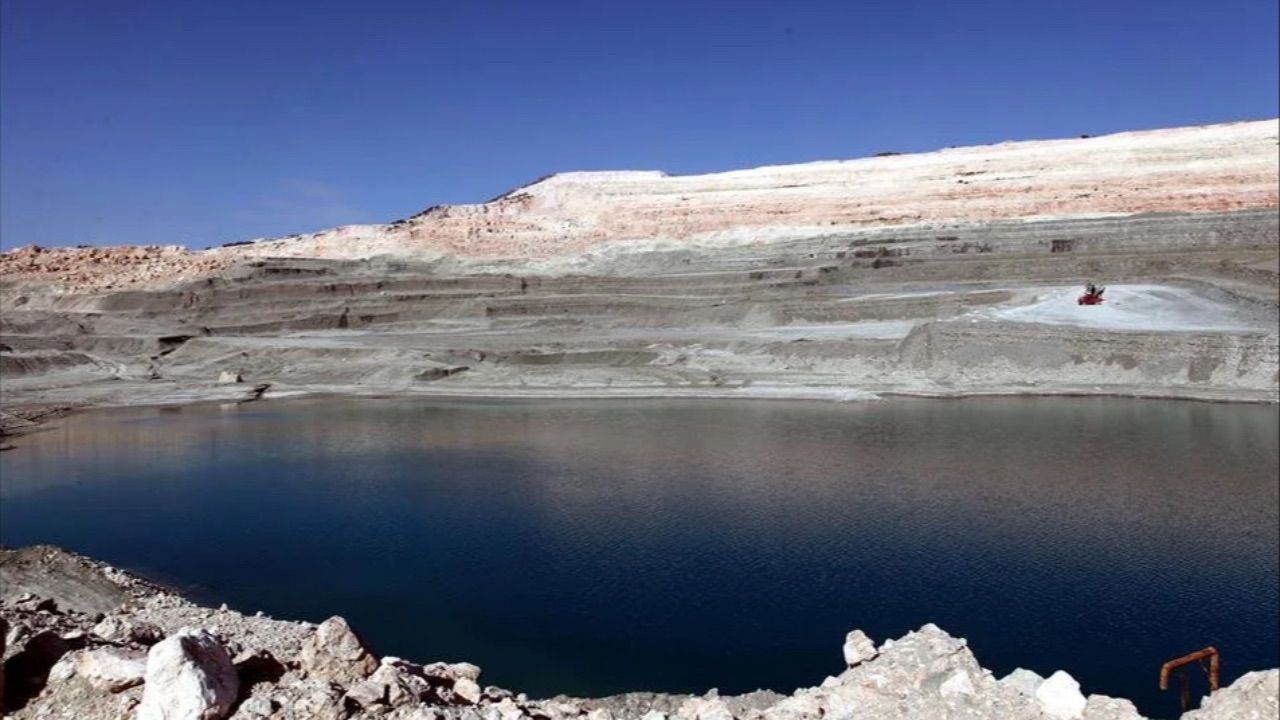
[88,641]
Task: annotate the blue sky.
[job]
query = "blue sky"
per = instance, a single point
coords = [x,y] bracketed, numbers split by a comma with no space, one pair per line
[174,121]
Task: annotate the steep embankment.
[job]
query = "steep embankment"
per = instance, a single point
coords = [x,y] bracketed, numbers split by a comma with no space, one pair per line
[944,273]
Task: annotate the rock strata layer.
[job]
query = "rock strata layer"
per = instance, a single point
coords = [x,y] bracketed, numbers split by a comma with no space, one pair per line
[1202,169]
[215,664]
[940,274]
[813,319]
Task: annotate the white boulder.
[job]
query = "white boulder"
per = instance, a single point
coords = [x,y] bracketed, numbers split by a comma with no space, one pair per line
[1252,697]
[110,669]
[189,676]
[467,689]
[858,648]
[1023,680]
[1060,697]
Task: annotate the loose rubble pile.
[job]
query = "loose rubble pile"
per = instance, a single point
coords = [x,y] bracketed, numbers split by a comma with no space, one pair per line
[159,657]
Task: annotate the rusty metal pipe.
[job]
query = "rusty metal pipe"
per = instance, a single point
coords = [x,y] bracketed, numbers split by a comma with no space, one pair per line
[1184,685]
[1209,652]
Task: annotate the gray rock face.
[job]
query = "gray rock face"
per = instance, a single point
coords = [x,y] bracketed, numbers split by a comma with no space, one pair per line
[710,707]
[389,686]
[110,669]
[260,706]
[1253,697]
[123,629]
[1023,680]
[397,683]
[1060,696]
[1101,707]
[957,683]
[335,653]
[309,698]
[858,290]
[189,677]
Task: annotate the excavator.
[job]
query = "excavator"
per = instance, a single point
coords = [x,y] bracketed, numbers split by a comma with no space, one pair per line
[1092,295]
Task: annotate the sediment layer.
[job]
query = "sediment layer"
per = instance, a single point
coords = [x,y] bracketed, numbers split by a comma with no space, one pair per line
[1192,313]
[1210,168]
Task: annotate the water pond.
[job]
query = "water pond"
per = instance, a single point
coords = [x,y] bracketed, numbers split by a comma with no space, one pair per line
[594,547]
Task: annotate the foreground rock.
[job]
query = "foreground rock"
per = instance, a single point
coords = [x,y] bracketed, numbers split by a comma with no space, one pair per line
[109,669]
[158,657]
[334,653]
[189,677]
[858,648]
[1254,695]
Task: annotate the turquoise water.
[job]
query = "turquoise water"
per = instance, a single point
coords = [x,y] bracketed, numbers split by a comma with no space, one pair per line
[601,546]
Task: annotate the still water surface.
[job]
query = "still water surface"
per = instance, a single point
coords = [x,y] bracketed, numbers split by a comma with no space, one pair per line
[600,546]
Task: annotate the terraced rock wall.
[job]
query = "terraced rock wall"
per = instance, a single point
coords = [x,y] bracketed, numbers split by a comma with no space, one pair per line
[935,311]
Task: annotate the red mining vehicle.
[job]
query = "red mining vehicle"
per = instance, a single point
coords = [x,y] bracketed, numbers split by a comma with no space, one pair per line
[1092,295]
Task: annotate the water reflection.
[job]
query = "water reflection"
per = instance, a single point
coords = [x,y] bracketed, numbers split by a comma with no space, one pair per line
[602,546]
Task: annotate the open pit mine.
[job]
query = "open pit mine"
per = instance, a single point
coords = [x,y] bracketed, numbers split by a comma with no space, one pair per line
[952,273]
[948,273]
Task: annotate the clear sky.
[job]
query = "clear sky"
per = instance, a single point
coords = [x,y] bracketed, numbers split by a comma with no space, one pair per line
[201,122]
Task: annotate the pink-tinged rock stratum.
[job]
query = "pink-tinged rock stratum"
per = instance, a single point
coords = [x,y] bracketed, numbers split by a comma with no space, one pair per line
[1199,169]
[947,273]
